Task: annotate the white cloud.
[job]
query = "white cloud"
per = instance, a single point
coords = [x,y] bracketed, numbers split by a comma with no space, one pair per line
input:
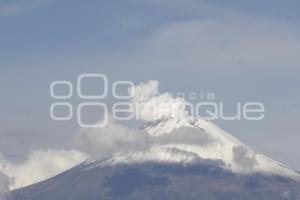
[114,139]
[40,165]
[111,139]
[150,107]
[144,91]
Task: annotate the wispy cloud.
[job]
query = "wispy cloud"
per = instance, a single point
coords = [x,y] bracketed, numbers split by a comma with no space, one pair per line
[217,43]
[16,7]
[45,164]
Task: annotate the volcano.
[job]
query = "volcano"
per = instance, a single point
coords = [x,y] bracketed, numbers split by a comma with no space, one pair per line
[200,162]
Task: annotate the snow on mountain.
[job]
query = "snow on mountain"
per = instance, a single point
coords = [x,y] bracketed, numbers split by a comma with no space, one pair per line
[222,148]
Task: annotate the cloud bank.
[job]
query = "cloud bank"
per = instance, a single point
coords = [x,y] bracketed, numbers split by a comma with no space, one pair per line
[39,166]
[105,142]
[102,143]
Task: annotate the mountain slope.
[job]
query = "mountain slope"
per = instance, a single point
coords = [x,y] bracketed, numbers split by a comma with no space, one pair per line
[159,181]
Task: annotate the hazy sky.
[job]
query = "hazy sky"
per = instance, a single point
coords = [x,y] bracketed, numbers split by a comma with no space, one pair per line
[242,52]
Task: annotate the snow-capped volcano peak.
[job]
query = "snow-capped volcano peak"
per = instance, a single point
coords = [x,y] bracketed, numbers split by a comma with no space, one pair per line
[171,135]
[167,126]
[190,141]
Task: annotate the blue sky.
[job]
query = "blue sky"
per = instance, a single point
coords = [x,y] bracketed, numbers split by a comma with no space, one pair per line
[241,51]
